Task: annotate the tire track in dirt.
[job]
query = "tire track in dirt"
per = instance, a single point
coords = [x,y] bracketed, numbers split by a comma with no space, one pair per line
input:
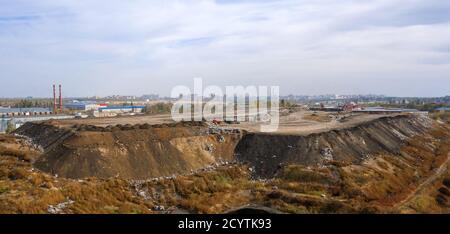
[439,172]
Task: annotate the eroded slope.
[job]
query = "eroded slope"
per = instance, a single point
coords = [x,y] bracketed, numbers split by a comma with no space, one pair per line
[132,152]
[268,153]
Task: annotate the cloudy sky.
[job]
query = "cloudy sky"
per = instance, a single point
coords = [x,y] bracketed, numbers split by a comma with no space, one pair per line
[104,47]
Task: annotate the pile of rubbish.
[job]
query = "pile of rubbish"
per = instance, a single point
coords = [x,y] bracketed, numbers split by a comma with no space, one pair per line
[59,208]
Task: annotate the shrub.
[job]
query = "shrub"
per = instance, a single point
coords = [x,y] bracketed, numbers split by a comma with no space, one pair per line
[158,108]
[446,182]
[275,195]
[15,153]
[331,207]
[441,200]
[3,190]
[17,174]
[4,172]
[10,127]
[444,191]
[145,126]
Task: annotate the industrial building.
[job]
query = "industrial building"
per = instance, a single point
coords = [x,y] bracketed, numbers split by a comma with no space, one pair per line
[122,109]
[83,106]
[442,109]
[7,112]
[382,110]
[18,117]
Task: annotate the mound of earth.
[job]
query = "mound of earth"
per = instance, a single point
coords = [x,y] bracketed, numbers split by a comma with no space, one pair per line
[268,153]
[131,152]
[148,151]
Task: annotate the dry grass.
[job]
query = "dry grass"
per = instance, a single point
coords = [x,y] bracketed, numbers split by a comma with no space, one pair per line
[334,188]
[301,174]
[384,188]
[442,116]
[208,192]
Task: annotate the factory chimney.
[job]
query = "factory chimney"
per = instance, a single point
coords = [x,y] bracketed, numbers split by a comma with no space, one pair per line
[60,99]
[54,99]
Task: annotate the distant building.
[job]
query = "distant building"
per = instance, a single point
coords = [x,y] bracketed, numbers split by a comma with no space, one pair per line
[328,108]
[351,106]
[149,97]
[18,121]
[33,111]
[442,109]
[122,109]
[382,110]
[83,106]
[120,97]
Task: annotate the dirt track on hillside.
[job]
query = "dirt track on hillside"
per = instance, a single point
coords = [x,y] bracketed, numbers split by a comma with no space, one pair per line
[441,170]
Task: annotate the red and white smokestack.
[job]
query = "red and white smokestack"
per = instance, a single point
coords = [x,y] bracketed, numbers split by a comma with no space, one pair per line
[54,99]
[60,99]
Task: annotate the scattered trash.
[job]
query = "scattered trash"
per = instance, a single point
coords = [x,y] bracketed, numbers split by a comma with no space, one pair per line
[58,209]
[210,148]
[158,208]
[327,153]
[220,138]
[139,188]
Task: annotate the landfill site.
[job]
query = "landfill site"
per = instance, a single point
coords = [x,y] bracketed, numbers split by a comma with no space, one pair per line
[316,162]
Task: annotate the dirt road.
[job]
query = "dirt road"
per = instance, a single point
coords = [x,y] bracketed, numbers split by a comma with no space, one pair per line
[294,123]
[437,174]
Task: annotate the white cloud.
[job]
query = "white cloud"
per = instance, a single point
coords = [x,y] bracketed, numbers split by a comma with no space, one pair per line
[149,46]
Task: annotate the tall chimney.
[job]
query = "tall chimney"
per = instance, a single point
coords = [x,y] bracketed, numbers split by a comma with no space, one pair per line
[60,99]
[54,99]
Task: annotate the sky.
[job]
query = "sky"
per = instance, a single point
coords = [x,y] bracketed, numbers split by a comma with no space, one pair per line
[307,47]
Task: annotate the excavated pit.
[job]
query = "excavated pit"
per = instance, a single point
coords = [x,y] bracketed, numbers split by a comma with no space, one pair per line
[148,151]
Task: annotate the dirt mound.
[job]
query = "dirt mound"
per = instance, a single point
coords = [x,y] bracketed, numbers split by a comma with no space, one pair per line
[132,152]
[145,151]
[44,134]
[126,127]
[268,153]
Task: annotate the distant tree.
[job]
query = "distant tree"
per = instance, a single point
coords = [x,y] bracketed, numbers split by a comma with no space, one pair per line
[158,108]
[24,104]
[10,127]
